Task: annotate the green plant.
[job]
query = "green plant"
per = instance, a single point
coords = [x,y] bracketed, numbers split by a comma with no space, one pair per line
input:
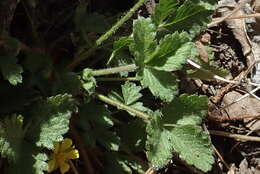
[49,95]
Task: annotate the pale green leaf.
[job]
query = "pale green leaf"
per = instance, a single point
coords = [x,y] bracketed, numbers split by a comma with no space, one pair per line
[89,82]
[144,33]
[11,70]
[40,165]
[186,109]
[163,9]
[51,120]
[161,84]
[131,93]
[193,146]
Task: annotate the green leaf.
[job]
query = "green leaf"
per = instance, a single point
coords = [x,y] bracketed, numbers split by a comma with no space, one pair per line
[118,46]
[89,82]
[130,96]
[161,84]
[158,145]
[191,16]
[89,22]
[133,135]
[11,137]
[163,9]
[144,33]
[172,52]
[121,164]
[40,165]
[11,70]
[95,121]
[193,146]
[51,120]
[186,109]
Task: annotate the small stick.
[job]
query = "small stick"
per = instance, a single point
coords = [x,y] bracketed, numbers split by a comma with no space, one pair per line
[235,136]
[233,118]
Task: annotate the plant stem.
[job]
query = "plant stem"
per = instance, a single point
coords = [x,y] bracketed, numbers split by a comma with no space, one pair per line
[235,136]
[105,79]
[85,54]
[123,107]
[73,167]
[131,67]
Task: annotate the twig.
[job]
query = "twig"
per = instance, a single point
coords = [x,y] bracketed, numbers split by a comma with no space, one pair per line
[244,16]
[237,8]
[73,167]
[235,136]
[79,143]
[233,118]
[151,170]
[105,79]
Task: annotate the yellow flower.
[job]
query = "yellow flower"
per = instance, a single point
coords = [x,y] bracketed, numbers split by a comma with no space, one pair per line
[63,152]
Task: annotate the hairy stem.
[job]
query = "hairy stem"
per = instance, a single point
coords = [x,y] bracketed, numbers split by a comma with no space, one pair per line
[128,68]
[110,79]
[123,107]
[85,54]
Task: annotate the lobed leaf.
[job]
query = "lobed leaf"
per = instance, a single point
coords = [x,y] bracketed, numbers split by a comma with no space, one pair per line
[193,146]
[186,109]
[51,120]
[161,84]
[158,144]
[172,52]
[10,140]
[163,9]
[191,16]
[144,33]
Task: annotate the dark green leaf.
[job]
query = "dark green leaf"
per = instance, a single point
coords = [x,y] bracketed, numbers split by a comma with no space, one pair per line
[163,9]
[161,84]
[191,16]
[186,109]
[193,146]
[144,33]
[11,70]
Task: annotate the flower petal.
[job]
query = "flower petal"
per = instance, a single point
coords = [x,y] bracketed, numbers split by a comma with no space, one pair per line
[65,144]
[52,165]
[56,147]
[73,154]
[64,167]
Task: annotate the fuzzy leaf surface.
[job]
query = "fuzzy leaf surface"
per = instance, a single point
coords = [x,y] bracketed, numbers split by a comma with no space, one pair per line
[191,16]
[10,141]
[158,143]
[144,32]
[51,120]
[130,96]
[11,70]
[193,146]
[161,84]
[172,52]
[186,109]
